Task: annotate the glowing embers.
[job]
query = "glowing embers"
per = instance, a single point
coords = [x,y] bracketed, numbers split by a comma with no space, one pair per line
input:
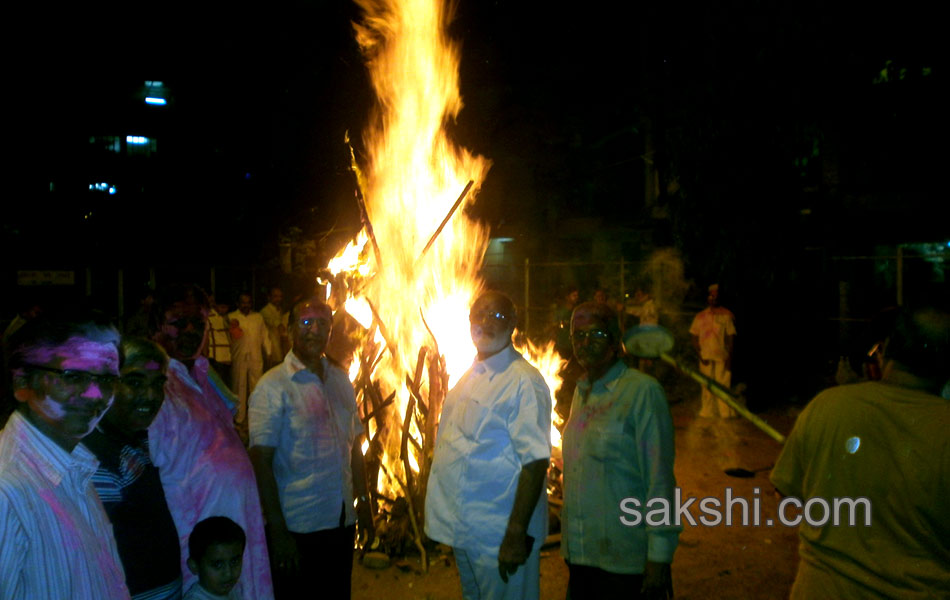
[852,444]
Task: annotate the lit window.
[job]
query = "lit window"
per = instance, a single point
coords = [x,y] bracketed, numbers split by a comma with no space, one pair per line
[155,93]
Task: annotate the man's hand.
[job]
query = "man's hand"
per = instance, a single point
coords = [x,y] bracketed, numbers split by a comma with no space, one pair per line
[512,554]
[285,557]
[657,582]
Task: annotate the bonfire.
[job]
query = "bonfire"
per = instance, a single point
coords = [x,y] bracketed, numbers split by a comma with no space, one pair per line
[402,288]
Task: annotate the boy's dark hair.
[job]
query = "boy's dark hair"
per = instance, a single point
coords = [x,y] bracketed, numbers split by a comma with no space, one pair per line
[213,530]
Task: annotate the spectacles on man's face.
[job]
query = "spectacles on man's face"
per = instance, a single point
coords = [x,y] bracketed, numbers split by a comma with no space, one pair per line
[594,335]
[79,381]
[486,316]
[310,322]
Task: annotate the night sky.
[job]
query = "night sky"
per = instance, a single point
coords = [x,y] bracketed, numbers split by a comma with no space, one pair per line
[783,135]
[737,97]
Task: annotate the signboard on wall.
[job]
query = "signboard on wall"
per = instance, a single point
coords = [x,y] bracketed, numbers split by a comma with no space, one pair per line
[46,277]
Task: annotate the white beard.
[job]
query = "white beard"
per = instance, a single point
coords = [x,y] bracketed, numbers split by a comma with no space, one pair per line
[490,345]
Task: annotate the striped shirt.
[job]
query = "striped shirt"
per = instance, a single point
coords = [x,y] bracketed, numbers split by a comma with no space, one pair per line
[55,538]
[131,492]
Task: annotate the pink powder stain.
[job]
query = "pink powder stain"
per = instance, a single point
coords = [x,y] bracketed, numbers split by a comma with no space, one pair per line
[50,409]
[152,366]
[62,515]
[81,353]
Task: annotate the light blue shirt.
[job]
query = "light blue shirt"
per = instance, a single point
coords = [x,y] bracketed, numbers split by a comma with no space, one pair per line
[618,444]
[495,420]
[312,425]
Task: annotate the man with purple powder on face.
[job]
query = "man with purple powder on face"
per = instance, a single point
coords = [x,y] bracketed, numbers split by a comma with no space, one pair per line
[56,542]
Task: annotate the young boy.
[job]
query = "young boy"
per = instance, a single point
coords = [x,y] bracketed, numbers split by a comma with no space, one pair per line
[215,549]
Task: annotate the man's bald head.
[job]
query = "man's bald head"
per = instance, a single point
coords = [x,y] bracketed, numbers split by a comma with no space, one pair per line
[921,342]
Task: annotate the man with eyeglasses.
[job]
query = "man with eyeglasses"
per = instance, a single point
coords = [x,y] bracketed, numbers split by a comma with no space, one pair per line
[485,494]
[305,433]
[56,541]
[617,444]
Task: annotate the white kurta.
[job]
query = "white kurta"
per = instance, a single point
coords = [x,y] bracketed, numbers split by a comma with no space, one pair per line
[273,319]
[247,358]
[713,326]
[206,472]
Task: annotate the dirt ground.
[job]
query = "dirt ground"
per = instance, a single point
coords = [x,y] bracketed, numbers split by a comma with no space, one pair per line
[721,562]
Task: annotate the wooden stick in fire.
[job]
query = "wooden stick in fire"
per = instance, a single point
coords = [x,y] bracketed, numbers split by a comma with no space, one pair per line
[364,215]
[455,206]
[417,534]
[382,329]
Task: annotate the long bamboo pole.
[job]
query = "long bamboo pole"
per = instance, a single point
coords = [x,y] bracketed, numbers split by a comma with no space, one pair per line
[721,392]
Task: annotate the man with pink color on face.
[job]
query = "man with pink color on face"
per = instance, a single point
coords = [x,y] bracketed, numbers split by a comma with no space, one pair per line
[56,541]
[305,445]
[203,465]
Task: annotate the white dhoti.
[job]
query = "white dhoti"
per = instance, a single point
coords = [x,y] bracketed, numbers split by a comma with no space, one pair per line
[712,405]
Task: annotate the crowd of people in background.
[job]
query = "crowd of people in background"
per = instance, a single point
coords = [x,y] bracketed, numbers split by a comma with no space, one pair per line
[205,453]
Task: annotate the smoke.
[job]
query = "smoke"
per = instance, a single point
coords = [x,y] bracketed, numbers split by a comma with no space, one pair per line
[662,276]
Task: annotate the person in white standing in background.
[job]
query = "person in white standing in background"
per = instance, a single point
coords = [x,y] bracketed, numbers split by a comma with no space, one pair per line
[275,318]
[249,344]
[714,332]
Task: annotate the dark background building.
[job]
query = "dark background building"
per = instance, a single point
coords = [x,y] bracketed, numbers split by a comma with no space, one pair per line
[763,143]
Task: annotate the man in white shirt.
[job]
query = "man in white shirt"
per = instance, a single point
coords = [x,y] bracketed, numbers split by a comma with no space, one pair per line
[249,344]
[485,494]
[219,338]
[714,332]
[56,541]
[618,444]
[276,321]
[305,446]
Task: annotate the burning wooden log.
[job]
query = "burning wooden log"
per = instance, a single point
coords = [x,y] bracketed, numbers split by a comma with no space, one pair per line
[377,410]
[364,214]
[452,210]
